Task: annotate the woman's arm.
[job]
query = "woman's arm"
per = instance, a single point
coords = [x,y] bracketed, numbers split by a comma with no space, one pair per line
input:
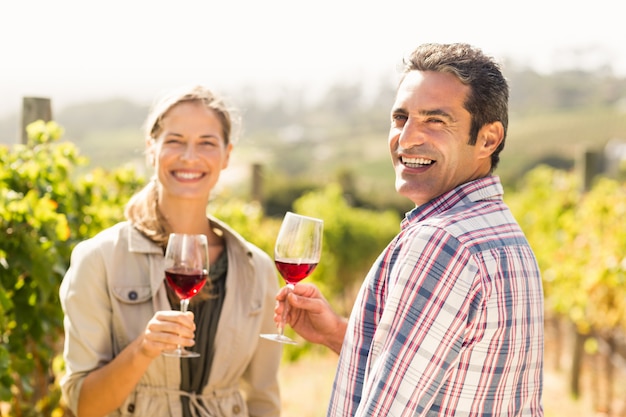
[96,381]
[106,388]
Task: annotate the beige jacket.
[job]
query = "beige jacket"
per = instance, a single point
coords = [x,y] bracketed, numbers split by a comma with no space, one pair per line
[113,288]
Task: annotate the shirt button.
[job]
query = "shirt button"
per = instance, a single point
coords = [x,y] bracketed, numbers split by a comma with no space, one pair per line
[130,408]
[132,295]
[236,409]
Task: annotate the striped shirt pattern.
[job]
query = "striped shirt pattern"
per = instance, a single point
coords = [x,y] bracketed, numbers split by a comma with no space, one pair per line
[449,320]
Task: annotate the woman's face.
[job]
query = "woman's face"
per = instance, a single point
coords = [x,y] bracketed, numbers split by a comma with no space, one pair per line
[189,153]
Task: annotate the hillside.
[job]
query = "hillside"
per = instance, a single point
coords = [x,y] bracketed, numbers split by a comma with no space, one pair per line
[344,135]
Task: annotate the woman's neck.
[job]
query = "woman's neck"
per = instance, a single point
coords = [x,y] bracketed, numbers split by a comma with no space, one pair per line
[185,216]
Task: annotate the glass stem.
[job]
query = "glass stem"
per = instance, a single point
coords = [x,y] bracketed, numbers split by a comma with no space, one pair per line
[184,304]
[283,316]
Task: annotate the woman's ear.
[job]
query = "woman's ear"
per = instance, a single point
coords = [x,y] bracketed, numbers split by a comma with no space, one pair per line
[228,150]
[151,151]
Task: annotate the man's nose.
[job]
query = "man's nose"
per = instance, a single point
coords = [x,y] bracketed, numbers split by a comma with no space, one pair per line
[412,134]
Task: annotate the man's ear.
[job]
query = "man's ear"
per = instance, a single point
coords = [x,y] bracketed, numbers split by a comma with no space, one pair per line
[490,137]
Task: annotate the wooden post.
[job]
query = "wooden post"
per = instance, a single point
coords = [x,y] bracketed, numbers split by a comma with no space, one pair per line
[33,109]
[257,183]
[591,165]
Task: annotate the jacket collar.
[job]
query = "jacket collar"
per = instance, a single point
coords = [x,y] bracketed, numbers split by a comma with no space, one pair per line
[138,242]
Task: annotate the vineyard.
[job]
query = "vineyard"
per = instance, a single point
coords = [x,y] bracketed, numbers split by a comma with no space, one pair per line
[47,206]
[579,237]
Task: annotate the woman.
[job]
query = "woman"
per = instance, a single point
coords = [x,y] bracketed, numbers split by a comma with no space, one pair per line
[120,315]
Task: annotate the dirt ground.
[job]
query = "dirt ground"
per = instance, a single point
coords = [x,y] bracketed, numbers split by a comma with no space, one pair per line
[306,388]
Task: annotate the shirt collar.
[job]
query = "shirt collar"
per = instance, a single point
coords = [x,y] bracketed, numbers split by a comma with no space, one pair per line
[486,188]
[138,242]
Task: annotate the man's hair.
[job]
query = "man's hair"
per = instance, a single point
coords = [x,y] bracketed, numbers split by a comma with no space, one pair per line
[487,101]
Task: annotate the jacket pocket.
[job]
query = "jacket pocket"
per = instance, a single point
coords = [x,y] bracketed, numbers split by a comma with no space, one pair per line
[132,294]
[132,309]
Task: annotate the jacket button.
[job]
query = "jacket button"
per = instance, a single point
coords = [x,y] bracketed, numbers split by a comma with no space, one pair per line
[130,408]
[132,295]
[236,409]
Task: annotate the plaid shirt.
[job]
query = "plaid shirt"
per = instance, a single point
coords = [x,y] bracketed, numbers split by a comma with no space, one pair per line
[449,320]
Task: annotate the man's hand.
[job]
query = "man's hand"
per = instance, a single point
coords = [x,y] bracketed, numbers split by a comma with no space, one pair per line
[311,316]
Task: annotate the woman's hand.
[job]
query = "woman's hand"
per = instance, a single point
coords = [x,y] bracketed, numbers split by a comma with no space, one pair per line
[166,330]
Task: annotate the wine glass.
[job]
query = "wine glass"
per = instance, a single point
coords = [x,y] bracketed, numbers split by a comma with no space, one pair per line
[186,272]
[296,254]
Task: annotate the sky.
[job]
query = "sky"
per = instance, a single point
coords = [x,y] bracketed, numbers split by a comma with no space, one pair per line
[78,50]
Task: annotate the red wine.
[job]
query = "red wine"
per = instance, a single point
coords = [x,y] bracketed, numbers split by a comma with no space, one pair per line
[186,282]
[294,272]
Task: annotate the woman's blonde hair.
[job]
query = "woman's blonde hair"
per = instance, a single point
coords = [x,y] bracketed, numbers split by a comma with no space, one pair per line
[142,210]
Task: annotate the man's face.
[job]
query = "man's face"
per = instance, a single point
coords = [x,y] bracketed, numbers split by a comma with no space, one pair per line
[429,135]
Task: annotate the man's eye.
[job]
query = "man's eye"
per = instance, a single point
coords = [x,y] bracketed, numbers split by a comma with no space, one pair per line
[399,119]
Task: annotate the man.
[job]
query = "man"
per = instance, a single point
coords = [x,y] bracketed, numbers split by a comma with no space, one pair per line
[449,320]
